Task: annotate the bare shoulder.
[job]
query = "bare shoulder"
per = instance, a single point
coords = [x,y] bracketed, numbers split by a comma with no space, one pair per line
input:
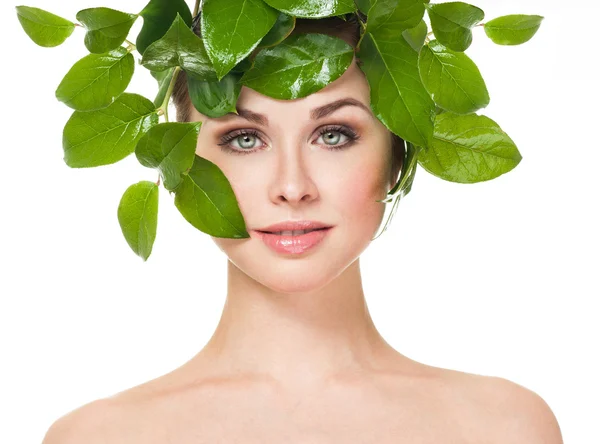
[93,423]
[515,413]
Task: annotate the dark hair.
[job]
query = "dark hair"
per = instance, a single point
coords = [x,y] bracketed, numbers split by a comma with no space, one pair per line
[348,30]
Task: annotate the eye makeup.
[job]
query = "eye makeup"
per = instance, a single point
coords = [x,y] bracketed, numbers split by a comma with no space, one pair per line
[226,139]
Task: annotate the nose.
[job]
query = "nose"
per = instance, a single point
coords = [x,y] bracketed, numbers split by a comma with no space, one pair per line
[293,178]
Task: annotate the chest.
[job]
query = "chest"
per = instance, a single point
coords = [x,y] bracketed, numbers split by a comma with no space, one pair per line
[318,423]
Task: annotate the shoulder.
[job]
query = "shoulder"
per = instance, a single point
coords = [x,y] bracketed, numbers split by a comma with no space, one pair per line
[93,423]
[515,413]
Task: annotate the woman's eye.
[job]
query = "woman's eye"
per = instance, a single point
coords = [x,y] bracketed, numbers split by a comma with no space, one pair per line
[246,141]
[334,138]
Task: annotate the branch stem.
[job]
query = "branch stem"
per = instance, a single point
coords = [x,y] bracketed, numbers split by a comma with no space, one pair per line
[164,107]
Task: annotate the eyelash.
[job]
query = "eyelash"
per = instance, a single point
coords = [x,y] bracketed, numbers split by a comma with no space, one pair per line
[226,139]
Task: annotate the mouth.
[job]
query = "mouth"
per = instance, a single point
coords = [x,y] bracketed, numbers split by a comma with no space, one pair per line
[293,242]
[294,232]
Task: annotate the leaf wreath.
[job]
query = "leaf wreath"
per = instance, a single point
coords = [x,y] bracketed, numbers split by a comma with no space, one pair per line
[425,90]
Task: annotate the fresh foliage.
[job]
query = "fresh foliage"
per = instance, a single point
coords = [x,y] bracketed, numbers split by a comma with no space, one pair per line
[43,27]
[299,66]
[469,148]
[427,91]
[452,79]
[222,22]
[179,47]
[158,17]
[106,28]
[513,29]
[452,22]
[170,148]
[107,135]
[96,80]
[206,199]
[137,213]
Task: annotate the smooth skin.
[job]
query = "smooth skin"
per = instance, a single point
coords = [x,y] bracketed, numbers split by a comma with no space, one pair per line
[296,357]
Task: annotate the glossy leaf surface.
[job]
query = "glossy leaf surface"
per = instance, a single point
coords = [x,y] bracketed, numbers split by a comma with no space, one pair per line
[179,47]
[169,147]
[313,8]
[107,135]
[228,34]
[391,17]
[96,80]
[215,98]
[452,79]
[43,27]
[468,149]
[106,28]
[398,97]
[300,65]
[283,27]
[138,216]
[207,201]
[451,23]
[158,16]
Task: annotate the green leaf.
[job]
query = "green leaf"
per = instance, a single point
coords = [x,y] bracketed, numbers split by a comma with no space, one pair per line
[138,214]
[243,66]
[96,80]
[207,201]
[283,27]
[169,147]
[227,33]
[452,79]
[398,97]
[107,135]
[469,148]
[451,23]
[158,17]
[416,36]
[513,29]
[43,27]
[363,6]
[391,17]
[299,66]
[215,98]
[313,8]
[179,47]
[106,28]
[163,78]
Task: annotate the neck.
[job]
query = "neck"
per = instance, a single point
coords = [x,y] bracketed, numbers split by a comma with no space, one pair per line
[296,339]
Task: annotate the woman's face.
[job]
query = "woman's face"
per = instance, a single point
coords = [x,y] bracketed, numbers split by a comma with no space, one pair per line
[289,171]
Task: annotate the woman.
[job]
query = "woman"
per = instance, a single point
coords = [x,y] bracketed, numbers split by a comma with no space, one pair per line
[296,356]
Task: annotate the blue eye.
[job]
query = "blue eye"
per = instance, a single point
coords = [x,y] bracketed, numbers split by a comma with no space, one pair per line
[247,137]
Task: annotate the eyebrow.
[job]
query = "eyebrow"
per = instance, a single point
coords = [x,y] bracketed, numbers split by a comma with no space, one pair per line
[315,113]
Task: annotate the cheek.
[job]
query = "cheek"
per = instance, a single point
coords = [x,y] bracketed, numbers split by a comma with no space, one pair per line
[358,191]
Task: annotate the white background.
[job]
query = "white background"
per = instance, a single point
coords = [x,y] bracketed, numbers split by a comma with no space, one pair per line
[497,278]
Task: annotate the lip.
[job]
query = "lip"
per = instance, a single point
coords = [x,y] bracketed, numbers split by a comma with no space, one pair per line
[290,225]
[293,244]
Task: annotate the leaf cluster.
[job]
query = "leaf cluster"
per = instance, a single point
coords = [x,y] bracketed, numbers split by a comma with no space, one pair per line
[425,90]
